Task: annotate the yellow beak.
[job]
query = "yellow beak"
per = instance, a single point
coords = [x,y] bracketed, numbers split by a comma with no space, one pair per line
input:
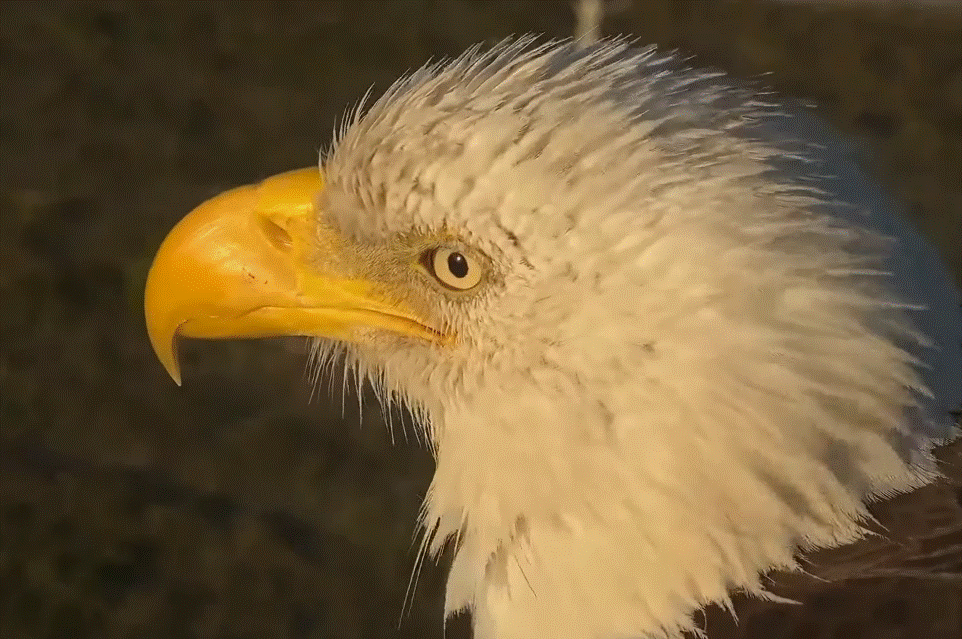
[255,262]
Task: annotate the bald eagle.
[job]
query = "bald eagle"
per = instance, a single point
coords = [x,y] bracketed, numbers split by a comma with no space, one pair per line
[662,335]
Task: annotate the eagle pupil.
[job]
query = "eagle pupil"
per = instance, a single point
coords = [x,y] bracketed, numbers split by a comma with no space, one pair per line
[458,265]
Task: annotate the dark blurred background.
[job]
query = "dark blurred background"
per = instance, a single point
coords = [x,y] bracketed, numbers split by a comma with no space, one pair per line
[239,505]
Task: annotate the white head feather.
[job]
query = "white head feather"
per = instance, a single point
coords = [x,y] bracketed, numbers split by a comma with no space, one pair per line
[685,363]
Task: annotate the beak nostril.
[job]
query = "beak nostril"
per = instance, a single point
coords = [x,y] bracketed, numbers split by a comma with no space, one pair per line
[277,235]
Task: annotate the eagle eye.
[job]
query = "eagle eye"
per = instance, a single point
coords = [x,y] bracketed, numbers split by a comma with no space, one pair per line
[452,268]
